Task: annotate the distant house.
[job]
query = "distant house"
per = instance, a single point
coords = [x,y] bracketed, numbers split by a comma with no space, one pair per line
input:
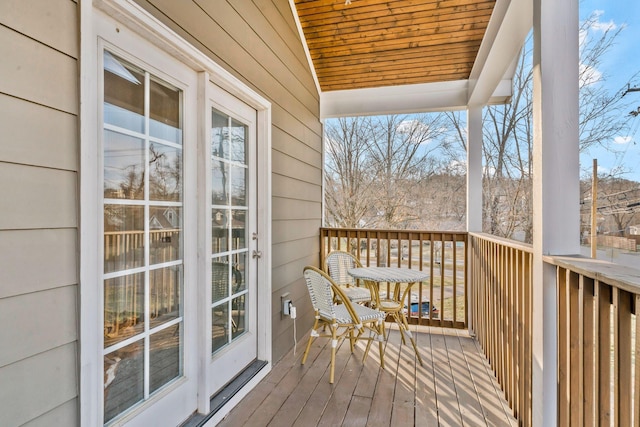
[633,230]
[167,219]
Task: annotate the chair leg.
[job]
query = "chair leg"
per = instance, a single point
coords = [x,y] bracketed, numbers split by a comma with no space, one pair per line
[366,351]
[415,348]
[380,328]
[384,329]
[413,341]
[311,337]
[377,329]
[334,344]
[400,324]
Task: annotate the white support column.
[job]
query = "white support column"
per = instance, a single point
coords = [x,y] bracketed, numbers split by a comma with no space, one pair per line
[556,216]
[474,194]
[474,169]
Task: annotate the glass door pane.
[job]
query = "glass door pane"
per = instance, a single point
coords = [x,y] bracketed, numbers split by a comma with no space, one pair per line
[229,213]
[143,239]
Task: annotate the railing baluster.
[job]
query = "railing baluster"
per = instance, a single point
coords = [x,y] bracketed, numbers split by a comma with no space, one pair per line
[589,349]
[455,274]
[636,386]
[575,348]
[513,348]
[615,299]
[501,276]
[431,280]
[563,347]
[528,416]
[623,353]
[604,354]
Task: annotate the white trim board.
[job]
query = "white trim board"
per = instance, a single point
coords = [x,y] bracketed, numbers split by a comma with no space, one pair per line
[426,97]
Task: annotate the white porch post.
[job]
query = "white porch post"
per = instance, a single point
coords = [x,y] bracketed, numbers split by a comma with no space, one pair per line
[556,220]
[474,169]
[474,192]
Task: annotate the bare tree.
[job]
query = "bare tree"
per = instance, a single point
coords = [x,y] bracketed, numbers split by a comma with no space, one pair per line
[508,136]
[348,173]
[374,165]
[603,114]
[618,204]
[402,154]
[442,201]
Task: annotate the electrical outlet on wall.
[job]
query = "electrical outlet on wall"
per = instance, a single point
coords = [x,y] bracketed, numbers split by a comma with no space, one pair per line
[285,300]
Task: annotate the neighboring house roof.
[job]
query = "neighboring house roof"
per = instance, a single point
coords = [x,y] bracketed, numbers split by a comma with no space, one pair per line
[166,219]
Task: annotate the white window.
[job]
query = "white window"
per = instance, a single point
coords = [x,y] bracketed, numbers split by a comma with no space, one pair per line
[143,247]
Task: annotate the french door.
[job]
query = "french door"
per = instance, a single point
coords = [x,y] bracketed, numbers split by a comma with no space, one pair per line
[233,251]
[170,187]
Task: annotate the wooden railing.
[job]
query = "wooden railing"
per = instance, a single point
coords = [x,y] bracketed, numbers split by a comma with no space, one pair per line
[598,375]
[501,278]
[443,254]
[597,315]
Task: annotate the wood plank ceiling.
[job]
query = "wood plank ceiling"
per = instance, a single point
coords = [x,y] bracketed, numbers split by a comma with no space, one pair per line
[373,43]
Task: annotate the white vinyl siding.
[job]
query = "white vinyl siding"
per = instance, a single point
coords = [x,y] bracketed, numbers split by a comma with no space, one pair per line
[37,72]
[63,415]
[49,322]
[42,19]
[38,197]
[37,384]
[27,267]
[40,136]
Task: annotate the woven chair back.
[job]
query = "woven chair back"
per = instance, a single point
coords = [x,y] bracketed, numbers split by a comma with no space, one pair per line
[319,287]
[338,264]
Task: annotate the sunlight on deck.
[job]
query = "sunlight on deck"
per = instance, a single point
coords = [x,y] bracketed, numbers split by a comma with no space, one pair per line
[454,387]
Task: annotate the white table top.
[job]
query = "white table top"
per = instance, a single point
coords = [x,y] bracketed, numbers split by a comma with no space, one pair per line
[389,274]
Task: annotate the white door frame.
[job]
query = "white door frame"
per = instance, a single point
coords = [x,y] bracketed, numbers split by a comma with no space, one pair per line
[137,20]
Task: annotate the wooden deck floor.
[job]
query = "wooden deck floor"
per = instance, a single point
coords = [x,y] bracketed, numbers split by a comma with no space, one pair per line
[455,387]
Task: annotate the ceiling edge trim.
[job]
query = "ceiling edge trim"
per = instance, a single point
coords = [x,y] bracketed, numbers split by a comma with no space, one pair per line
[510,23]
[426,97]
[303,39]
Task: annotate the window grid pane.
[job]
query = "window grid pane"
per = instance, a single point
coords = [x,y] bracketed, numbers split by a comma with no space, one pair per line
[229,178]
[143,325]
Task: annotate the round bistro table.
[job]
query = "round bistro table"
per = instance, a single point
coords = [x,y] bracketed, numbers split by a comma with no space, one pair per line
[392,304]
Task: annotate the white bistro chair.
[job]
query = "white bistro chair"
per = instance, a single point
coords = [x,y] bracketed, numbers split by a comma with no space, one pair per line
[345,319]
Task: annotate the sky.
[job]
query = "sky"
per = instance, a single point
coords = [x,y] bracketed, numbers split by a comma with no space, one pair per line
[617,67]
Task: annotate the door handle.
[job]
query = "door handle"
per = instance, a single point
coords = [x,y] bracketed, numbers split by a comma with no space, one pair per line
[256,254]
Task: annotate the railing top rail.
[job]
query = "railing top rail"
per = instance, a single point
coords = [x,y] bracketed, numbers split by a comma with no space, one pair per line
[620,276]
[389,230]
[525,247]
[120,233]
